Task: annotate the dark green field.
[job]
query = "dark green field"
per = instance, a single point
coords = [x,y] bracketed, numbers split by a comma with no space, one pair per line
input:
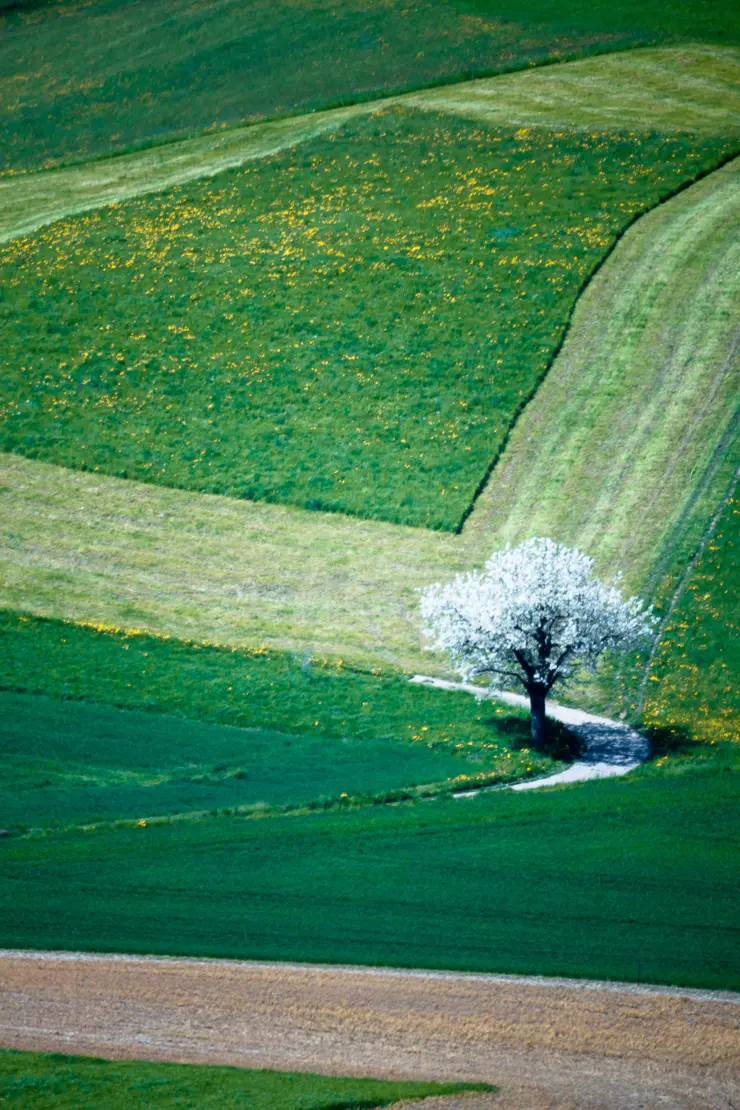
[88,78]
[351,325]
[64,762]
[50,1081]
[631,879]
[317,730]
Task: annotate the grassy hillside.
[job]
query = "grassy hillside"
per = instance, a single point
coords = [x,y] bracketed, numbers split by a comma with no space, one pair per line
[689,88]
[83,79]
[50,1081]
[307,731]
[223,338]
[625,879]
[64,763]
[85,547]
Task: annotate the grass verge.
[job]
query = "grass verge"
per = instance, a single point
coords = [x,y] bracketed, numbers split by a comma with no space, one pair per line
[624,879]
[42,1081]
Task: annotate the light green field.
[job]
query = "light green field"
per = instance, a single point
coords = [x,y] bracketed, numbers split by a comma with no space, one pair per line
[690,88]
[50,1081]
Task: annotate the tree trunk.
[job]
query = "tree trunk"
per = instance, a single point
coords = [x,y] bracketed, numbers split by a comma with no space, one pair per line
[540,733]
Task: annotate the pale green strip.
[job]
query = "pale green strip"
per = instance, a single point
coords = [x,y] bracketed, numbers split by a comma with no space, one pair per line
[674,88]
[87,547]
[639,401]
[666,89]
[29,201]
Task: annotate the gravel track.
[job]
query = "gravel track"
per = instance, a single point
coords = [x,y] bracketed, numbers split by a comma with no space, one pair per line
[547,1043]
[612,748]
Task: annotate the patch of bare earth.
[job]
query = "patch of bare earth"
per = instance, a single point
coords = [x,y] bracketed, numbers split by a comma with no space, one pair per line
[547,1043]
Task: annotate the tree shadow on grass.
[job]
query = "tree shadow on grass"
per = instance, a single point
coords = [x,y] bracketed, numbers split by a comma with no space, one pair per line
[669,740]
[562,744]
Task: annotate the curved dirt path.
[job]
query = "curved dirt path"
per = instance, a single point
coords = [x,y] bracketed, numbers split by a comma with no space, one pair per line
[612,748]
[546,1042]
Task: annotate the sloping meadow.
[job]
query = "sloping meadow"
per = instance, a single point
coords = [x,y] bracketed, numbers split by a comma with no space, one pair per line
[352,325]
[189,727]
[89,79]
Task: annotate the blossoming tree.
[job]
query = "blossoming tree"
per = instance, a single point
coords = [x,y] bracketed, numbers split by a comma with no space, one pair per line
[532,615]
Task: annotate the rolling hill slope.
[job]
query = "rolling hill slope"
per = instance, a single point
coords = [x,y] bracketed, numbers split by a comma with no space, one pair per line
[664,89]
[236,572]
[92,77]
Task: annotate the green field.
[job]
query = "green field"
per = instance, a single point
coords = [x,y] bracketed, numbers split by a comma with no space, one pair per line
[42,1081]
[303,731]
[65,763]
[222,337]
[256,379]
[624,879]
[85,79]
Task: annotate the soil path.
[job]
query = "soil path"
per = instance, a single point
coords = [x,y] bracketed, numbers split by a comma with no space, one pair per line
[612,748]
[547,1043]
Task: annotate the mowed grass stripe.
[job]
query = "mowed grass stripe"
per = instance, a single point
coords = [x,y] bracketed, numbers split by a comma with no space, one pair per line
[641,397]
[675,88]
[29,201]
[91,548]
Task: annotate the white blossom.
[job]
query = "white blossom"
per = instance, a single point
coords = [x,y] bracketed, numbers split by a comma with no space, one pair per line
[532,615]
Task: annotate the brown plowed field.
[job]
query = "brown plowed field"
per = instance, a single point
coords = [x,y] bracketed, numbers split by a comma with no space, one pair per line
[547,1043]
